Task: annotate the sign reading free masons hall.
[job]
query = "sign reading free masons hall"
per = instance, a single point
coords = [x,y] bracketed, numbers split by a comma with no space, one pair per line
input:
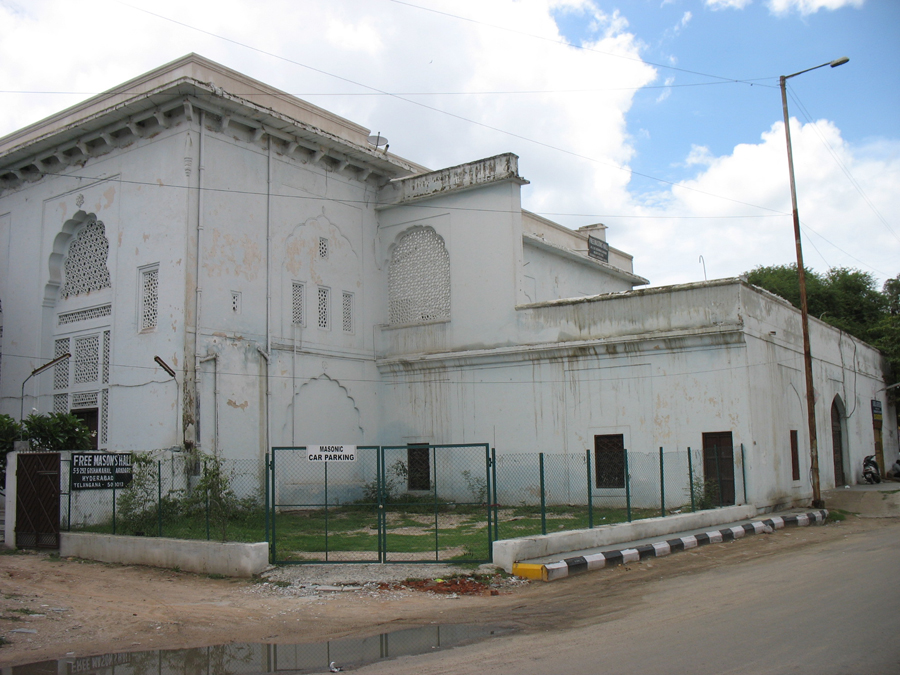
[331,453]
[101,470]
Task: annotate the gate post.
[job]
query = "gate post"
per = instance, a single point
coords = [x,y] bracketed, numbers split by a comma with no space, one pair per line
[662,485]
[543,498]
[691,479]
[590,499]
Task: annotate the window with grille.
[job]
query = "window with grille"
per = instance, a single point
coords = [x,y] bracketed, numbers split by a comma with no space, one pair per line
[61,369]
[87,359]
[324,313]
[298,296]
[106,347]
[609,461]
[85,267]
[347,312]
[795,455]
[419,279]
[61,404]
[235,302]
[323,247]
[104,417]
[149,298]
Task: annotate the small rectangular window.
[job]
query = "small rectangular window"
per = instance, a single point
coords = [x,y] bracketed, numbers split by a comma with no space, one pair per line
[297,304]
[609,461]
[87,359]
[347,317]
[418,464]
[236,302]
[149,298]
[795,456]
[324,309]
[323,247]
[61,370]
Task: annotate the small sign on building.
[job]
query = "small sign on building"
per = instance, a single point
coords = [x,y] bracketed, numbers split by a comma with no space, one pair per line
[876,410]
[101,470]
[598,249]
[331,453]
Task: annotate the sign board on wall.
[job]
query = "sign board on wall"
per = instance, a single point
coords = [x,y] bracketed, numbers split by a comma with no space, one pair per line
[101,470]
[876,410]
[598,249]
[331,453]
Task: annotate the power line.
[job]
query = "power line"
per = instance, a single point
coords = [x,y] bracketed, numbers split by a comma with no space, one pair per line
[368,202]
[511,134]
[564,43]
[842,166]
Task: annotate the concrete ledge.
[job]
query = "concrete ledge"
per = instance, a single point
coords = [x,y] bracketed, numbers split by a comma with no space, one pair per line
[510,551]
[585,563]
[231,559]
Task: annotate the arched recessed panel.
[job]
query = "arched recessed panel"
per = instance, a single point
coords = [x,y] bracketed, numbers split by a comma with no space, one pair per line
[419,279]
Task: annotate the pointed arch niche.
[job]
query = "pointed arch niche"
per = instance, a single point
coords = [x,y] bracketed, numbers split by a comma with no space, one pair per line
[78,320]
[419,279]
[839,442]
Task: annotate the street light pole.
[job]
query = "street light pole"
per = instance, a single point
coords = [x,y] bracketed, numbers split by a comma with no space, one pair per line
[38,371]
[801,276]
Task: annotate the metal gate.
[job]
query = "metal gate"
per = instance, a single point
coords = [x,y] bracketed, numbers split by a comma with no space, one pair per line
[411,503]
[37,500]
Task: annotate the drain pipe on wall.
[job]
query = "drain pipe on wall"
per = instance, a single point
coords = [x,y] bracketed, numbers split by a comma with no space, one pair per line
[198,296]
[268,350]
[212,357]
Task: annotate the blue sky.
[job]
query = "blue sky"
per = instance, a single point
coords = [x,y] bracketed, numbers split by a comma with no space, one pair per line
[678,163]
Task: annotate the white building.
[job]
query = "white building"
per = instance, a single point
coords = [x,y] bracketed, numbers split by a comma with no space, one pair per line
[309,287]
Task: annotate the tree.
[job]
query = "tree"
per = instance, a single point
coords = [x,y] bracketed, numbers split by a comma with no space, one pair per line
[846,298]
[10,432]
[57,431]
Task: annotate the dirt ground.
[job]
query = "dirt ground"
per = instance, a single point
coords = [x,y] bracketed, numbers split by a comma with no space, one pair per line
[79,608]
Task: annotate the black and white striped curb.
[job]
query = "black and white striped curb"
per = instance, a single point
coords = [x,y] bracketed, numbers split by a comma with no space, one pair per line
[595,561]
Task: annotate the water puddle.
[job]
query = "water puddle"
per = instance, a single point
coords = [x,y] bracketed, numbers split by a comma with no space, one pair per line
[244,659]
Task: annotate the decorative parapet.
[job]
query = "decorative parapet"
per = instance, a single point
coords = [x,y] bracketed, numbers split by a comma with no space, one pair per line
[476,174]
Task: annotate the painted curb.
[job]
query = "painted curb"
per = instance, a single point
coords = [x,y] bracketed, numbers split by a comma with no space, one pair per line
[585,563]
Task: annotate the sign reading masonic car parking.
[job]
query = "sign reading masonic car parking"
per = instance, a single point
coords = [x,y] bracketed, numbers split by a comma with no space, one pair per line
[101,470]
[331,453]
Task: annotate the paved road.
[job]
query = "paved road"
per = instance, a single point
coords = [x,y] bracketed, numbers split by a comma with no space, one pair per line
[832,608]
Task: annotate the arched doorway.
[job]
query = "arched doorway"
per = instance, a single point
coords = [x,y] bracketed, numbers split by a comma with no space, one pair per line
[837,441]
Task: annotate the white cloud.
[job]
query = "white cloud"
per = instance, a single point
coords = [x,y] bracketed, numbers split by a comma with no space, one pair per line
[667,91]
[574,147]
[806,7]
[699,154]
[839,228]
[727,4]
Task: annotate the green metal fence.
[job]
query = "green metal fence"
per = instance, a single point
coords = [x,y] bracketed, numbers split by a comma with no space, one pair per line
[416,503]
[173,496]
[410,503]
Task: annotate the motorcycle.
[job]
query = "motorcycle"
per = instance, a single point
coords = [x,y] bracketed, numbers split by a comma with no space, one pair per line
[871,472]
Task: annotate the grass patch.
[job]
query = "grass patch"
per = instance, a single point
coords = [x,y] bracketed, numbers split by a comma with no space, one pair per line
[26,611]
[837,515]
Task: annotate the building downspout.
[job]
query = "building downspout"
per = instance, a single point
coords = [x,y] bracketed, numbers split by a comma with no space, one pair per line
[268,350]
[213,357]
[201,171]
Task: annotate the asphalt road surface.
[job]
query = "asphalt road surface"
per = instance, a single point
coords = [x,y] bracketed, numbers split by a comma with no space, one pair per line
[832,608]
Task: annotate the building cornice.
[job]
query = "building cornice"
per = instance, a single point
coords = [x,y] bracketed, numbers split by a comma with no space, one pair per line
[171,94]
[471,175]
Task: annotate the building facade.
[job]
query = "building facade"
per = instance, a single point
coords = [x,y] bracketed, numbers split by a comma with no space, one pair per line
[307,287]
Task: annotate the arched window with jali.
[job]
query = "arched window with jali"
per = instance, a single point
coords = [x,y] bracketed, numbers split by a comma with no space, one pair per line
[85,268]
[419,279]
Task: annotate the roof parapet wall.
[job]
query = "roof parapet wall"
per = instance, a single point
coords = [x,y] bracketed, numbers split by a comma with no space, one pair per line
[467,176]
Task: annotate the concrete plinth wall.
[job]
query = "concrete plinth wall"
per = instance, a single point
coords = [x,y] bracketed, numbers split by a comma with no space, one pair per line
[509,551]
[231,559]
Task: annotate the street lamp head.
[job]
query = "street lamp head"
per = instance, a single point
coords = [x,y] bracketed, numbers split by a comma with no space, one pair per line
[839,62]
